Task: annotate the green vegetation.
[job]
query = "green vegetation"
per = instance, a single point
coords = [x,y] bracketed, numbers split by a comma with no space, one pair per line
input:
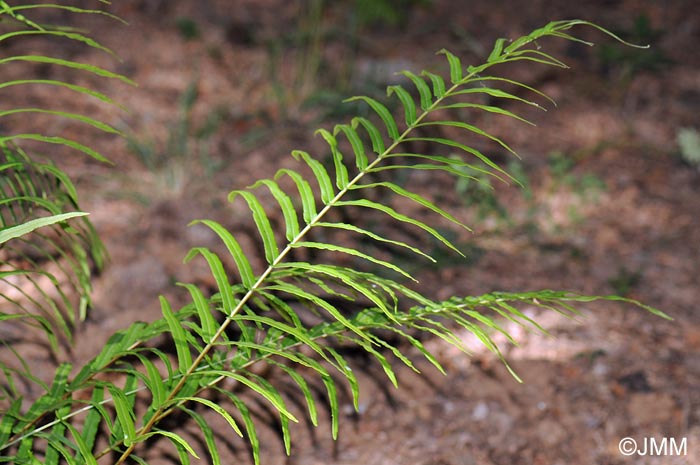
[289,315]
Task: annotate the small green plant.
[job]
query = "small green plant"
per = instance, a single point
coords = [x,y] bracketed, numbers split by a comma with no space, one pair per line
[476,189]
[187,27]
[689,146]
[289,314]
[625,281]
[314,82]
[185,155]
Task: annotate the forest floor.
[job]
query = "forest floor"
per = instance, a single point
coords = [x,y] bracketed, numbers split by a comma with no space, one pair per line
[609,206]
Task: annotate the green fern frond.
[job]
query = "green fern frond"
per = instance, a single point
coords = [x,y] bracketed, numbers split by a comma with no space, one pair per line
[292,315]
[38,195]
[49,250]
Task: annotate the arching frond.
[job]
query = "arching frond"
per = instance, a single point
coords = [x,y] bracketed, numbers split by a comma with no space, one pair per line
[294,316]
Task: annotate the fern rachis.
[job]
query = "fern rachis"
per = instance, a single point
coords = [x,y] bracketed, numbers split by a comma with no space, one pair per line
[255,317]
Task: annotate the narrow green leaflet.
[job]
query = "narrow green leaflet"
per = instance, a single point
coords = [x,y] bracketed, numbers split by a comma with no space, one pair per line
[305,193]
[244,268]
[324,181]
[376,237]
[318,301]
[426,97]
[261,221]
[68,64]
[383,113]
[374,135]
[472,128]
[455,66]
[217,408]
[400,217]
[25,228]
[354,252]
[58,141]
[73,87]
[438,83]
[125,414]
[228,300]
[178,440]
[358,147]
[92,420]
[262,387]
[85,450]
[341,172]
[247,421]
[409,106]
[416,198]
[497,50]
[208,434]
[184,357]
[290,214]
[304,387]
[74,116]
[206,319]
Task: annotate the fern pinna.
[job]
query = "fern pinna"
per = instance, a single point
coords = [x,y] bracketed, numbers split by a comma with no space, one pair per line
[255,316]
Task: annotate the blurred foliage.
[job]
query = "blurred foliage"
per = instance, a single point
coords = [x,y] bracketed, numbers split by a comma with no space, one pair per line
[186,150]
[689,146]
[187,27]
[385,12]
[625,281]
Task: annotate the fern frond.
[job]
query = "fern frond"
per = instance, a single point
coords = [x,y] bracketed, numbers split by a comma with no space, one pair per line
[292,315]
[38,195]
[48,248]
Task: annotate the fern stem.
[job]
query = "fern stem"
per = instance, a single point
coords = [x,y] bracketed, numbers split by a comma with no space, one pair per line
[160,413]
